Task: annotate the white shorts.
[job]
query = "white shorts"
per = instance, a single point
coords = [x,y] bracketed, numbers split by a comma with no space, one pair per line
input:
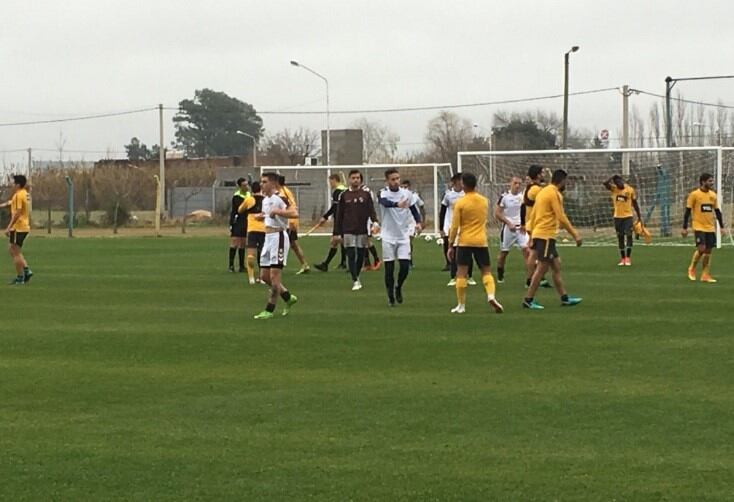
[275,250]
[395,250]
[509,239]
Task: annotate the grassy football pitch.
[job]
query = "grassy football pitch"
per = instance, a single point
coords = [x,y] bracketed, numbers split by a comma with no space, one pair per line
[131,368]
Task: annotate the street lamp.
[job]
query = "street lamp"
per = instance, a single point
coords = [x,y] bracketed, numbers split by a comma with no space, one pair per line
[328,129]
[254,146]
[565,96]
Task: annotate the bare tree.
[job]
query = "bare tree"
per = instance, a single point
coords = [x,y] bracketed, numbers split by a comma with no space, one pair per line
[448,134]
[116,185]
[292,147]
[380,142]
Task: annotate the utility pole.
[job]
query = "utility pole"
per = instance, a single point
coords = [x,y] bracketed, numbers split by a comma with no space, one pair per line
[161,163]
[564,141]
[28,180]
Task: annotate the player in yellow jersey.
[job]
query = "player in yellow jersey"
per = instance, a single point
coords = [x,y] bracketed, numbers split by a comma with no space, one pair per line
[702,206]
[293,228]
[468,223]
[548,215]
[18,229]
[536,182]
[252,207]
[624,200]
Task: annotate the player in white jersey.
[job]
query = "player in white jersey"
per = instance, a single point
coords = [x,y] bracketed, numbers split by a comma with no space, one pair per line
[399,214]
[448,202]
[276,210]
[415,200]
[507,212]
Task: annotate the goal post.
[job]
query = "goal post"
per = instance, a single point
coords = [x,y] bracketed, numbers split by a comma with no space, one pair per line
[310,185]
[662,178]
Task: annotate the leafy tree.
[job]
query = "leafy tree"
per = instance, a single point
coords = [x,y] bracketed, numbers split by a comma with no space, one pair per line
[520,134]
[137,150]
[207,125]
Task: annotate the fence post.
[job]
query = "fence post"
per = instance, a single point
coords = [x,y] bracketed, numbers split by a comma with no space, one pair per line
[70,205]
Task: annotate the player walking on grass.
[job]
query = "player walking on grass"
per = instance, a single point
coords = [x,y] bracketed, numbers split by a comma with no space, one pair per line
[399,217]
[276,211]
[293,226]
[468,224]
[251,208]
[507,212]
[354,209]
[238,226]
[445,215]
[536,182]
[703,205]
[18,229]
[624,199]
[337,188]
[547,216]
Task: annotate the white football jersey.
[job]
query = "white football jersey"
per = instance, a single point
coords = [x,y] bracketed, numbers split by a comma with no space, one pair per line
[449,200]
[396,221]
[274,201]
[511,204]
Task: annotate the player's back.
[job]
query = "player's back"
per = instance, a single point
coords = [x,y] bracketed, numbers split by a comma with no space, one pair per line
[470,215]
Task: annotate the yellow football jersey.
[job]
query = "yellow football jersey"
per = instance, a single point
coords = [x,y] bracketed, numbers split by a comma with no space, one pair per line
[19,206]
[531,193]
[703,205]
[253,224]
[622,200]
[285,191]
[548,215]
[469,220]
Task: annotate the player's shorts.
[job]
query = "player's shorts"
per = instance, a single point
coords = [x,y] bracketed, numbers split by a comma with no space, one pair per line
[705,239]
[293,234]
[239,229]
[275,250]
[509,239]
[18,238]
[256,240]
[545,249]
[465,254]
[355,241]
[623,226]
[392,251]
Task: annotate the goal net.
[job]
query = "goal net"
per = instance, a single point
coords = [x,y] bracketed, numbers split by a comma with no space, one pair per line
[661,177]
[310,186]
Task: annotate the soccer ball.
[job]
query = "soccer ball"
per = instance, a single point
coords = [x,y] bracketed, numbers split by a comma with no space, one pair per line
[439,241]
[428,237]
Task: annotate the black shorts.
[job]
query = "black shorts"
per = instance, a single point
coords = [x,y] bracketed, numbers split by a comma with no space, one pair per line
[255,240]
[18,238]
[292,234]
[238,229]
[705,239]
[623,226]
[465,254]
[545,249]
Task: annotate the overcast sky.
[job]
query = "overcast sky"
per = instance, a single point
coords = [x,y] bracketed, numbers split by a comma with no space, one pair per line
[82,56]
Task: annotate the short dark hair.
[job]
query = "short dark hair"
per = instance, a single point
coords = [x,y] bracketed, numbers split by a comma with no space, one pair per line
[405,182]
[558,176]
[335,177]
[456,177]
[704,177]
[534,171]
[20,180]
[255,186]
[617,178]
[271,176]
[281,180]
[469,180]
[240,180]
[356,171]
[390,172]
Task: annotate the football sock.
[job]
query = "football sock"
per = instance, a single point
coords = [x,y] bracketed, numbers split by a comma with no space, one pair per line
[488,282]
[446,250]
[241,258]
[390,277]
[695,258]
[352,262]
[343,261]
[629,245]
[403,272]
[285,295]
[529,299]
[331,255]
[250,267]
[232,252]
[706,264]
[360,260]
[373,252]
[500,273]
[461,290]
[270,307]
[620,242]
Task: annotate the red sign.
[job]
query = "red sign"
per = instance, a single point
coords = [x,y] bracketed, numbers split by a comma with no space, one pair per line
[604,135]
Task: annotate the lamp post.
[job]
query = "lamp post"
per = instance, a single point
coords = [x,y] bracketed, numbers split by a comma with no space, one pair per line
[565,95]
[669,83]
[328,129]
[254,146]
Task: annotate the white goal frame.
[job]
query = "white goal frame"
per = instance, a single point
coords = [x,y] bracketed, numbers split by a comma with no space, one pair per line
[719,150]
[434,167]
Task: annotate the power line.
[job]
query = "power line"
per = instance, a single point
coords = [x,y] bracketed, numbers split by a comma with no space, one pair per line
[73,119]
[682,100]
